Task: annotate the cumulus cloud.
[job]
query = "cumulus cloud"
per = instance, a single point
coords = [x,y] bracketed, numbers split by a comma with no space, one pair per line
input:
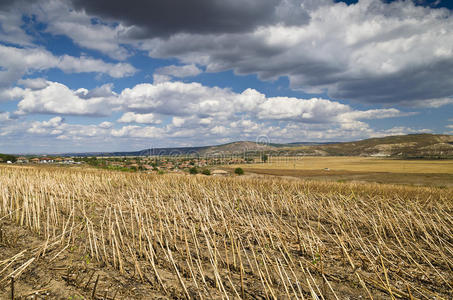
[372,51]
[58,128]
[16,62]
[197,112]
[139,132]
[193,99]
[11,24]
[56,98]
[131,117]
[33,83]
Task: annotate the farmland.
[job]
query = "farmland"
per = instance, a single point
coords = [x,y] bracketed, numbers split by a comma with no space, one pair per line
[368,169]
[78,233]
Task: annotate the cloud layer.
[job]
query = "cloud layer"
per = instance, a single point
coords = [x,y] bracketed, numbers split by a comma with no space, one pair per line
[355,64]
[174,110]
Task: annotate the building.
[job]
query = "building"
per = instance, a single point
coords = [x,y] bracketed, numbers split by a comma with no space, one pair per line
[46,160]
[35,160]
[22,160]
[68,160]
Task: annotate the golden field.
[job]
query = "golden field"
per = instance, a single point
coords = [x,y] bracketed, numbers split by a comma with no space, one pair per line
[356,164]
[96,234]
[437,173]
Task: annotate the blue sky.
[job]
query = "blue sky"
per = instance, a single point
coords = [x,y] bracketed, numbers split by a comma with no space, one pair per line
[104,75]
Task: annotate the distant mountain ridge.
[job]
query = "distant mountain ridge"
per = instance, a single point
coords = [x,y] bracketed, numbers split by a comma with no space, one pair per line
[407,146]
[404,146]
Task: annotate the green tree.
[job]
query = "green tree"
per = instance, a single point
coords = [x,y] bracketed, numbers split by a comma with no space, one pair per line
[193,170]
[7,157]
[206,172]
[239,171]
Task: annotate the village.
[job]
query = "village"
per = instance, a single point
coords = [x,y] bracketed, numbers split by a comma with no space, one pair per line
[146,164]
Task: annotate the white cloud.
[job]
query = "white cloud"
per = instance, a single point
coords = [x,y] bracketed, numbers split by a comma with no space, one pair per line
[138,132]
[11,30]
[131,117]
[57,98]
[83,64]
[179,71]
[198,113]
[375,114]
[371,51]
[160,78]
[5,116]
[86,31]
[16,62]
[431,103]
[33,83]
[58,128]
[106,125]
[177,98]
[193,99]
[47,127]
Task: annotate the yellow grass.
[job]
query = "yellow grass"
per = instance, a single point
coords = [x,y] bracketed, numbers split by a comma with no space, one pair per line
[142,236]
[356,164]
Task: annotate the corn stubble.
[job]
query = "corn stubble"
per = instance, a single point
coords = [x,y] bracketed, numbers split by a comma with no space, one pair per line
[235,238]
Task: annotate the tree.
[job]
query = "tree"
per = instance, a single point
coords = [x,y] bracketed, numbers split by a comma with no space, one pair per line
[206,172]
[264,158]
[239,171]
[193,170]
[7,157]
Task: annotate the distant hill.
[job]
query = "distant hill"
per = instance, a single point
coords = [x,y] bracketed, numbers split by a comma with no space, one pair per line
[404,146]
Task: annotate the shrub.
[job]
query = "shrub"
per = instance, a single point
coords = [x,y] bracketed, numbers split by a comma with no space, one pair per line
[206,172]
[239,171]
[193,170]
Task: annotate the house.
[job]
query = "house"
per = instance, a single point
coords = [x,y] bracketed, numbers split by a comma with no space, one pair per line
[22,160]
[46,160]
[68,161]
[35,160]
[59,160]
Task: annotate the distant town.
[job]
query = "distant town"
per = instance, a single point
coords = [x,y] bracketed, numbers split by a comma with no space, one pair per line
[147,164]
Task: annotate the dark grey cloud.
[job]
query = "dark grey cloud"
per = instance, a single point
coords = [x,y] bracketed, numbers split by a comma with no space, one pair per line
[163,18]
[371,53]
[6,3]
[413,84]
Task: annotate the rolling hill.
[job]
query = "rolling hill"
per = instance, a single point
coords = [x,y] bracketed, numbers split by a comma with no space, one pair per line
[402,146]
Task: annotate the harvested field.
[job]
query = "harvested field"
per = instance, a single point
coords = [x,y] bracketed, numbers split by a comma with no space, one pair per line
[357,164]
[100,234]
[437,173]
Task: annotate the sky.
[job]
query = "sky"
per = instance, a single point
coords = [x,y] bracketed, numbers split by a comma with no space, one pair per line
[109,75]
